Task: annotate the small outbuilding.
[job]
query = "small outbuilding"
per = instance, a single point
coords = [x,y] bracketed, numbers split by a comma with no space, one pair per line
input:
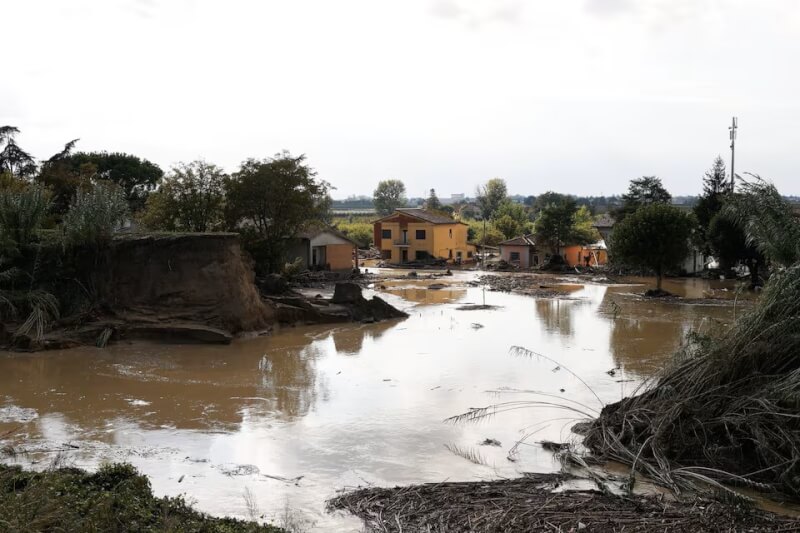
[324,248]
[520,251]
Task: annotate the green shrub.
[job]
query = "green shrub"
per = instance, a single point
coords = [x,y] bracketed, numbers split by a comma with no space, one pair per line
[95,214]
[22,212]
[115,498]
[360,232]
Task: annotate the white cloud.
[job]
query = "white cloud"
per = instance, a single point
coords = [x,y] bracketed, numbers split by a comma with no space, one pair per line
[549,95]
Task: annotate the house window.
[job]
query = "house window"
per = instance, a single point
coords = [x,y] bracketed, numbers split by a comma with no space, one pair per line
[449,254]
[386,234]
[451,233]
[469,255]
[514,256]
[535,260]
[420,234]
[421,255]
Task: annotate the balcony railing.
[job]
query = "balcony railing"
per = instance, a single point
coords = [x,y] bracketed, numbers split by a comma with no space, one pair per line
[402,242]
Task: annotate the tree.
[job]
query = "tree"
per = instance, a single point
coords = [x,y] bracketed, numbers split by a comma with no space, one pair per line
[271,200]
[643,191]
[64,180]
[655,236]
[14,159]
[714,180]
[715,187]
[555,225]
[360,232]
[728,242]
[511,219]
[190,199]
[433,203]
[583,226]
[388,196]
[136,176]
[490,196]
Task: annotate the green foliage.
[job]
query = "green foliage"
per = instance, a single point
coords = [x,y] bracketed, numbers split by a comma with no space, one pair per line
[361,232]
[159,212]
[475,234]
[767,221]
[23,209]
[555,225]
[491,196]
[715,181]
[115,498]
[14,159]
[728,243]
[583,227]
[134,175]
[271,200]
[64,179]
[191,198]
[715,188]
[433,203]
[388,196]
[643,191]
[95,214]
[655,236]
[511,219]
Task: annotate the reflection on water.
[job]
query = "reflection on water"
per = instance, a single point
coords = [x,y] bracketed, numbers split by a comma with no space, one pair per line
[355,404]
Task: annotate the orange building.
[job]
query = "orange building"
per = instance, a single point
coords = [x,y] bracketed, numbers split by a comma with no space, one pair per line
[586,255]
[414,234]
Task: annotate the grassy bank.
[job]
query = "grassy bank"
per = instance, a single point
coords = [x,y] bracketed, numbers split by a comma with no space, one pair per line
[115,498]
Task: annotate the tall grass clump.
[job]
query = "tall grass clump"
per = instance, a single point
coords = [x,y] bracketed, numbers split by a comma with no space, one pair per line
[726,409]
[22,213]
[23,209]
[95,214]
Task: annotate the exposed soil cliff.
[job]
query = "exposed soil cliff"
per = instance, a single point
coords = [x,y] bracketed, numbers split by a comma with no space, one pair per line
[200,278]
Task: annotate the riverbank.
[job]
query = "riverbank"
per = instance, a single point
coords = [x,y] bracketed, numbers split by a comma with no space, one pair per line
[195,288]
[115,498]
[544,502]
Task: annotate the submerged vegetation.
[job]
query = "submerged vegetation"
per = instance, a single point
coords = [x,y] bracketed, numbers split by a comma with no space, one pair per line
[115,498]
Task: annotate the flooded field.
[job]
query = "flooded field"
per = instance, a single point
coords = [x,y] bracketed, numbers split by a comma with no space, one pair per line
[293,417]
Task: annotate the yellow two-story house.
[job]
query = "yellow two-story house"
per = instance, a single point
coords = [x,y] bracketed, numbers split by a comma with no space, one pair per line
[414,234]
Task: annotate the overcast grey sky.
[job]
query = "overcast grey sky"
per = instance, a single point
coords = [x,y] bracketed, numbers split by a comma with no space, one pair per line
[575,96]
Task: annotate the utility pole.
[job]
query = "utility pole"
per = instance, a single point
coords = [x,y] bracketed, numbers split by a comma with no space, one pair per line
[733,127]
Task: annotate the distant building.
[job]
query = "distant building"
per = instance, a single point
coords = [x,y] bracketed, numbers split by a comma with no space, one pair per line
[323,248]
[454,199]
[414,234]
[520,251]
[605,225]
[586,255]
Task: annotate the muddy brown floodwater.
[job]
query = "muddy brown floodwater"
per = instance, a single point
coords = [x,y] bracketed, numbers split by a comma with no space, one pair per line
[293,417]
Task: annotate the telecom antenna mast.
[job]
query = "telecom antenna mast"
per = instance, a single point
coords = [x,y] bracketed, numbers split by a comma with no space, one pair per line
[733,127]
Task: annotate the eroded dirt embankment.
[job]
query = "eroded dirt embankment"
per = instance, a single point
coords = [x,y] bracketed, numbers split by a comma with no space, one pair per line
[196,287]
[202,278]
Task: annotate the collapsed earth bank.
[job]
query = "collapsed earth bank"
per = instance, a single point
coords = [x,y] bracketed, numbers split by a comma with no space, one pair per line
[181,287]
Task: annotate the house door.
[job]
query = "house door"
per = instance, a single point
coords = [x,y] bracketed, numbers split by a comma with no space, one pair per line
[404,256]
